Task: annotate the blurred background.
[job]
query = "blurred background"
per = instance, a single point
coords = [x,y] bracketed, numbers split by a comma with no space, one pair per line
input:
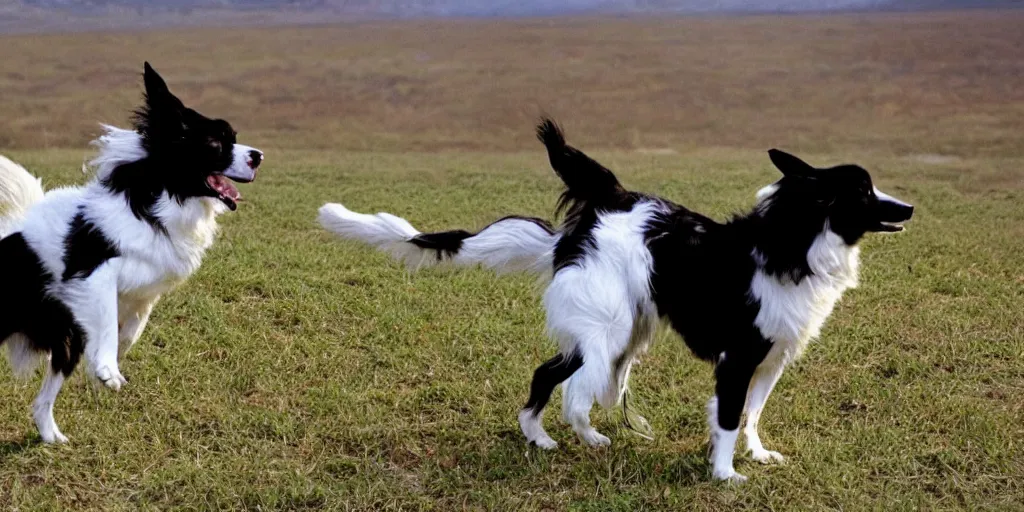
[882,75]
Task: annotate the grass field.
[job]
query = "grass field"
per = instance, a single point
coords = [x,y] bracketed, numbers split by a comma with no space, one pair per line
[295,371]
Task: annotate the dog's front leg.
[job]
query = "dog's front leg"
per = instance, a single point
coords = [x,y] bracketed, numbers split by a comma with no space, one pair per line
[760,387]
[93,302]
[732,377]
[132,319]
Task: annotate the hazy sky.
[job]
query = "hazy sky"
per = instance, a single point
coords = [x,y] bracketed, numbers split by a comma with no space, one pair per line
[298,10]
[477,7]
[507,6]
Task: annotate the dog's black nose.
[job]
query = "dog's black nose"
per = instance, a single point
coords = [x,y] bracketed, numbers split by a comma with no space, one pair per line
[255,157]
[904,212]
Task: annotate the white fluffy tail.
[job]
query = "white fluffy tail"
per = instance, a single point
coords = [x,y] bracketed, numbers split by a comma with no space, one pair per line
[19,190]
[508,244]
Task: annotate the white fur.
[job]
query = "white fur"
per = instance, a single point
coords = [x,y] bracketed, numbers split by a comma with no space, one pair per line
[602,307]
[93,303]
[761,385]
[882,196]
[22,358]
[508,245]
[791,315]
[113,304]
[766,192]
[42,408]
[18,191]
[532,426]
[598,307]
[132,316]
[723,444]
[241,163]
[117,146]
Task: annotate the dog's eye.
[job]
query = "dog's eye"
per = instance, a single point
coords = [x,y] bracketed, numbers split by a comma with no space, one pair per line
[215,144]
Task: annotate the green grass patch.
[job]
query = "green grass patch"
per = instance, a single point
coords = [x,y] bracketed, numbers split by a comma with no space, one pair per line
[298,371]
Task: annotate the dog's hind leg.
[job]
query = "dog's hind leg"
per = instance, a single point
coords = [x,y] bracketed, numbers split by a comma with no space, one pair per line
[23,357]
[132,319]
[42,407]
[589,383]
[55,329]
[760,387]
[643,333]
[548,375]
[601,340]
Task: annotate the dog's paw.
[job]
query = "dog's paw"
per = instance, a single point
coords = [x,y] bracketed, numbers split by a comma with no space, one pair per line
[111,377]
[767,456]
[728,475]
[54,437]
[49,432]
[594,438]
[545,443]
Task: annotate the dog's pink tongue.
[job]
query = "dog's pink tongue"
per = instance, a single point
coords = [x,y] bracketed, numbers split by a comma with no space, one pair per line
[223,187]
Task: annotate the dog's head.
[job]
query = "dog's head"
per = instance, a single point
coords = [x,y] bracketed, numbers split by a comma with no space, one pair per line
[843,195]
[195,156]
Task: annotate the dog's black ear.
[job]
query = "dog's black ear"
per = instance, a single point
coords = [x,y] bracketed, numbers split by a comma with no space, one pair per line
[163,115]
[790,165]
[158,97]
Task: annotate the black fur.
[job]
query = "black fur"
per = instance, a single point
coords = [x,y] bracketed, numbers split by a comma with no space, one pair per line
[590,190]
[586,181]
[183,155]
[702,268]
[543,224]
[448,243]
[183,149]
[45,321]
[548,375]
[85,248]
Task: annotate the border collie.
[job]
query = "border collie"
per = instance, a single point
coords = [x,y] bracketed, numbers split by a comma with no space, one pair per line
[83,266]
[746,295]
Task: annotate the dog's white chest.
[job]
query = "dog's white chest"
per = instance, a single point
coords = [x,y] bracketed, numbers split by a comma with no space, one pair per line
[155,262]
[792,314]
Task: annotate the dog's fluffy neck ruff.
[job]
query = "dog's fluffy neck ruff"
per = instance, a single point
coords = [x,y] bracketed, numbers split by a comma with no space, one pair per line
[118,148]
[793,241]
[179,230]
[798,285]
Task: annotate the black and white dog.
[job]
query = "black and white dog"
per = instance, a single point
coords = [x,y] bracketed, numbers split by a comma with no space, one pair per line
[746,295]
[83,266]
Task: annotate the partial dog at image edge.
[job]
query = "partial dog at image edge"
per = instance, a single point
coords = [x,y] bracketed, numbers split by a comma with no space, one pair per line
[19,190]
[84,266]
[746,295]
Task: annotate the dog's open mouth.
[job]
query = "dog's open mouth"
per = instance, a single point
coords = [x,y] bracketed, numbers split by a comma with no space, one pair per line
[226,192]
[890,227]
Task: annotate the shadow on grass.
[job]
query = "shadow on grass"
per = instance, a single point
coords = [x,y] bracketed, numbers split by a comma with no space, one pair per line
[9,448]
[629,462]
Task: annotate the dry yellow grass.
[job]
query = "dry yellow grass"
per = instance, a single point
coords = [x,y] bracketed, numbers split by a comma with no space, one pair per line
[940,83]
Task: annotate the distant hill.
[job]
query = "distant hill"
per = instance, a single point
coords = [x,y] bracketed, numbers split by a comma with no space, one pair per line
[502,7]
[76,15]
